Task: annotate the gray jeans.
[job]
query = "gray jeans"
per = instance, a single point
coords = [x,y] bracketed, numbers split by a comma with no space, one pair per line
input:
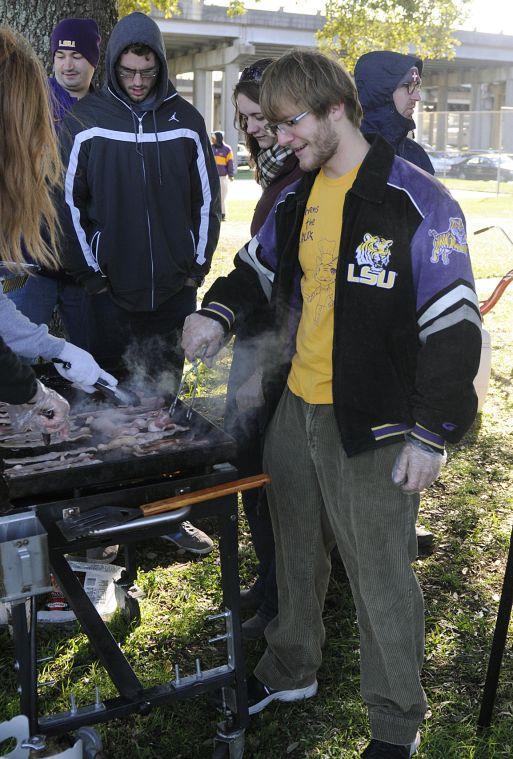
[319,497]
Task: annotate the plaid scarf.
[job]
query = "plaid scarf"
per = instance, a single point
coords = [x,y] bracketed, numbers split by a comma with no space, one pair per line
[270,162]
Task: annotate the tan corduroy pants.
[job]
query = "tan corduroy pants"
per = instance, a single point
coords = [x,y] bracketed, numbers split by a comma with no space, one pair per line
[318,497]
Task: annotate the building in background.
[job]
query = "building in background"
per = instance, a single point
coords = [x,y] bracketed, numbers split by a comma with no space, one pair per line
[468,100]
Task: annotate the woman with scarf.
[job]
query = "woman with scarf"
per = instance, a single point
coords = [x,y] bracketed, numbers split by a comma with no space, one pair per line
[275,168]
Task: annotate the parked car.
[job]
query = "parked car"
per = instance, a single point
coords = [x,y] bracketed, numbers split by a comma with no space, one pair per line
[441,161]
[242,155]
[484,166]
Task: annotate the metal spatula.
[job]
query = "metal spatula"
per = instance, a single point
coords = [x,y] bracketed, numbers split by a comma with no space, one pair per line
[107,520]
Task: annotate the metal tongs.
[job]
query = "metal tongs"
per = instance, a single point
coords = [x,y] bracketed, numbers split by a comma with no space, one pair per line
[120,396]
[194,371]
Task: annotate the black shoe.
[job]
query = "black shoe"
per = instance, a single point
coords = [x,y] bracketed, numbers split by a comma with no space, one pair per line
[259,695]
[425,541]
[251,598]
[381,750]
[254,628]
[223,217]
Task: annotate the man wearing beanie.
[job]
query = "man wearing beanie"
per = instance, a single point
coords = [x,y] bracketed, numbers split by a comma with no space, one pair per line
[142,211]
[75,49]
[388,85]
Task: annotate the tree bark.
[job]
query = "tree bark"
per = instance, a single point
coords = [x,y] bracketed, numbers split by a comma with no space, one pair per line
[35,19]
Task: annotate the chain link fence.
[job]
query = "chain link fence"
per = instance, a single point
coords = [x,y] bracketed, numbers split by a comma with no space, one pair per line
[470,149]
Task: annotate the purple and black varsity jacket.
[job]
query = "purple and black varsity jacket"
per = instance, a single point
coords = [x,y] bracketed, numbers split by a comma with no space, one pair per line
[407,327]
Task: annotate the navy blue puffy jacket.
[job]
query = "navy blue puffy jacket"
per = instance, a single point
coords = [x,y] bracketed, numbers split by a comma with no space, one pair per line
[377,75]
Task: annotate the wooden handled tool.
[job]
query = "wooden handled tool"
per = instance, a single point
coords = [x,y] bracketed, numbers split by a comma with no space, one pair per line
[207,494]
[106,520]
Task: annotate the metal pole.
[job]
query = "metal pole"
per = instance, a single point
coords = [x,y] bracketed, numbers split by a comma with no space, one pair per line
[500,153]
[498,644]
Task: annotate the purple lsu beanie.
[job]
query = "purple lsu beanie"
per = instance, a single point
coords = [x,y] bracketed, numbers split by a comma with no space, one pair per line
[80,35]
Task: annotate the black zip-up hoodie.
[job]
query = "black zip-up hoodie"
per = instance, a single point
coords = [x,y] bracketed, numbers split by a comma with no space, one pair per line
[142,211]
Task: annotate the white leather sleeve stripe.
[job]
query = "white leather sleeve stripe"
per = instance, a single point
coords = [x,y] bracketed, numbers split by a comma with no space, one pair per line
[461,292]
[464,313]
[265,275]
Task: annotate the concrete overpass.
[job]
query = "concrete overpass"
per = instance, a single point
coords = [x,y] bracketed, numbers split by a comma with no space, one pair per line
[204,39]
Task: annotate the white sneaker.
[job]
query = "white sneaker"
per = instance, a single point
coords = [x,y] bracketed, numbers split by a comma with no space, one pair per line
[260,694]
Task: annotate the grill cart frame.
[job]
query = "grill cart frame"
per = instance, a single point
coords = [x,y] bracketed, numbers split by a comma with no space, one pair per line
[128,482]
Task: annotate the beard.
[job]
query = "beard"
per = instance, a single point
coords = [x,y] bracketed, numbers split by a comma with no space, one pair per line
[321,147]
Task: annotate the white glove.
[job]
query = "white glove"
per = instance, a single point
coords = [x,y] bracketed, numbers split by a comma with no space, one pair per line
[84,371]
[250,395]
[416,468]
[202,337]
[46,412]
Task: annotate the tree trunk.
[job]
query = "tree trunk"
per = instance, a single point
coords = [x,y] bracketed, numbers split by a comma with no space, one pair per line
[35,19]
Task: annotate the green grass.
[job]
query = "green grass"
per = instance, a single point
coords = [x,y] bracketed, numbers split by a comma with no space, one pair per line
[487,207]
[470,511]
[478,185]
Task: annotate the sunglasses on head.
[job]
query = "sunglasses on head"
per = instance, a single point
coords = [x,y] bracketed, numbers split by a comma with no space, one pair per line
[414,84]
[255,71]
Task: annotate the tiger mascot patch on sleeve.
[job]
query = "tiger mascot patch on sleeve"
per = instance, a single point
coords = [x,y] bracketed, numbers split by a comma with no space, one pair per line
[453,240]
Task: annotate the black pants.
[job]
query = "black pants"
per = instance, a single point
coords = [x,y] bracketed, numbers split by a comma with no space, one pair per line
[129,342]
[248,431]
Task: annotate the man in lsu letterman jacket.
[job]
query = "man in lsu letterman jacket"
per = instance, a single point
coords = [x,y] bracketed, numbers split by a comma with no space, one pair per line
[369,371]
[141,198]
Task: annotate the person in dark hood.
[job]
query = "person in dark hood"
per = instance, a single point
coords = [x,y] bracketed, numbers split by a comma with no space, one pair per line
[142,210]
[389,87]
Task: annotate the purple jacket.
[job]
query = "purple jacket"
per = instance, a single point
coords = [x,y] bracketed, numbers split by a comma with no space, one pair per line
[61,102]
[224,160]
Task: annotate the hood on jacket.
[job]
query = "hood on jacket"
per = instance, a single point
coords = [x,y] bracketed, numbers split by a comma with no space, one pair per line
[377,75]
[137,28]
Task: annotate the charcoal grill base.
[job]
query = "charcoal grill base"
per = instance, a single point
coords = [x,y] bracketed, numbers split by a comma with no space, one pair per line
[133,697]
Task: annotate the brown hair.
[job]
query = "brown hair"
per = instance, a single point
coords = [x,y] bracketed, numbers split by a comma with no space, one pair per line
[29,159]
[313,82]
[138,48]
[249,85]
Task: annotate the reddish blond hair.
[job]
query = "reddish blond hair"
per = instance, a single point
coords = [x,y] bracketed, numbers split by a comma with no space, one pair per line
[29,160]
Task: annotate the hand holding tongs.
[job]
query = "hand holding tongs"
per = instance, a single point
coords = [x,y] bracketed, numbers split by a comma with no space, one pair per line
[120,396]
[194,371]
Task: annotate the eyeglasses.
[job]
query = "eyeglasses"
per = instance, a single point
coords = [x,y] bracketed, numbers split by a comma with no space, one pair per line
[285,126]
[414,86]
[255,71]
[130,74]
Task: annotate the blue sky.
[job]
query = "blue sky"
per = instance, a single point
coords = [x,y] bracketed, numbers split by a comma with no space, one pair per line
[484,15]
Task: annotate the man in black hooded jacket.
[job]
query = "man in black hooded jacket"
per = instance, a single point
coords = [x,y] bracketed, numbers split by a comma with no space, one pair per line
[388,87]
[142,211]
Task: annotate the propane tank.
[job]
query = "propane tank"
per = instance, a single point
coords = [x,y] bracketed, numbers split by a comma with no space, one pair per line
[482,378]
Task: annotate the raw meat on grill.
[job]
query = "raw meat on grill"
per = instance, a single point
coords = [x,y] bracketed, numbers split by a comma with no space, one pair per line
[66,462]
[128,441]
[50,456]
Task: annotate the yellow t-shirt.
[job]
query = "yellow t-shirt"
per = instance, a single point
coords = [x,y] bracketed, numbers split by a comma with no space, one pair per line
[311,372]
